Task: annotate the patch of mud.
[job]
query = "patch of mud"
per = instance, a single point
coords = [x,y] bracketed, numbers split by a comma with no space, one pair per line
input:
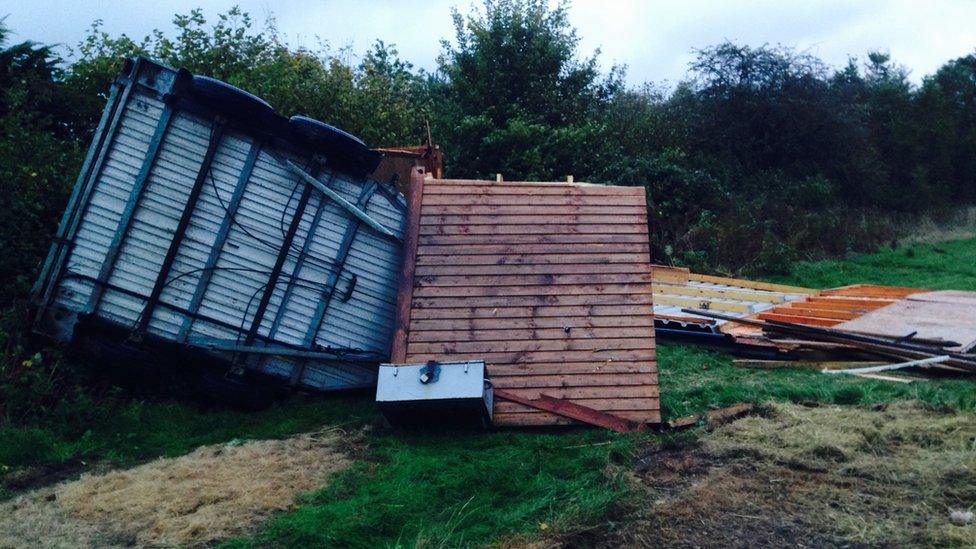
[213,493]
[39,476]
[811,477]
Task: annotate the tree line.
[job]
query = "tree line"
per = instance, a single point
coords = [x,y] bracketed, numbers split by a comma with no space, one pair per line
[760,156]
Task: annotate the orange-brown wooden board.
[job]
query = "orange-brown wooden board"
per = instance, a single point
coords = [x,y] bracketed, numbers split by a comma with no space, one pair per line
[872,290]
[797,319]
[525,335]
[530,259]
[606,367]
[542,419]
[531,280]
[551,269]
[607,404]
[604,356]
[536,229]
[531,249]
[522,191]
[534,210]
[570,238]
[548,200]
[533,219]
[560,322]
[576,344]
[568,380]
[797,310]
[459,312]
[500,290]
[550,284]
[491,302]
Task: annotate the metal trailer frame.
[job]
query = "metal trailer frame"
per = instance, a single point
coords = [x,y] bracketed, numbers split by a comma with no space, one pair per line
[170,227]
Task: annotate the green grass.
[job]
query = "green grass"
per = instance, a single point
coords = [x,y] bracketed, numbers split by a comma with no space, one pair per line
[472,487]
[944,265]
[693,380]
[136,430]
[459,488]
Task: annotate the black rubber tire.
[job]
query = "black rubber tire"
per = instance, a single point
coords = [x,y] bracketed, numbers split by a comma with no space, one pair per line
[329,135]
[235,102]
[343,150]
[216,387]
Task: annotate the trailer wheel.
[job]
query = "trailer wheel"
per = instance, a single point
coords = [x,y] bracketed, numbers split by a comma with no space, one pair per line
[342,148]
[234,101]
[236,391]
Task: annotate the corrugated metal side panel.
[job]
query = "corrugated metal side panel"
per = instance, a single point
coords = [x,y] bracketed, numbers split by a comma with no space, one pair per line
[201,232]
[349,374]
[321,244]
[368,315]
[252,245]
[363,322]
[111,190]
[307,289]
[155,221]
[357,323]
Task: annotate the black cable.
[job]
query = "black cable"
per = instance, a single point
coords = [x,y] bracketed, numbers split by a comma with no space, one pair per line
[327,265]
[281,222]
[247,308]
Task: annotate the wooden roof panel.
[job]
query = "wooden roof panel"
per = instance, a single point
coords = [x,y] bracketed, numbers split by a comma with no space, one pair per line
[549,283]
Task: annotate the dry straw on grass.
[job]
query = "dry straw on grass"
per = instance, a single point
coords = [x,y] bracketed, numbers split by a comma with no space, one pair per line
[824,476]
[212,493]
[35,520]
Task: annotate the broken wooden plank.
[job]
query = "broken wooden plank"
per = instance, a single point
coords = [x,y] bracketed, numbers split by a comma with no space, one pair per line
[713,418]
[802,364]
[888,367]
[883,377]
[575,411]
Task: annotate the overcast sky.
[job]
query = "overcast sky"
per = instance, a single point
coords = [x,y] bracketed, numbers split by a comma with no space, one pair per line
[654,39]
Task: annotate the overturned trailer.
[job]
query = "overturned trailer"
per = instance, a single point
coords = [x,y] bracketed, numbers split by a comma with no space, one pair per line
[205,226]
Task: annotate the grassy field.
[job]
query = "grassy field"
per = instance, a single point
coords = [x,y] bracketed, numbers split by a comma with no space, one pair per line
[471,487]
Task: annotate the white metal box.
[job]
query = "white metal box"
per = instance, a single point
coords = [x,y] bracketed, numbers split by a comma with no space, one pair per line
[438,392]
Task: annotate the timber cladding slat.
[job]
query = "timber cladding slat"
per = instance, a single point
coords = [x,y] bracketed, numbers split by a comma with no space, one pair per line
[551,229]
[530,249]
[515,199]
[552,269]
[531,259]
[633,404]
[598,380]
[457,240]
[535,210]
[530,279]
[532,219]
[607,357]
[533,290]
[524,190]
[534,311]
[548,283]
[579,344]
[532,323]
[592,298]
[431,336]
